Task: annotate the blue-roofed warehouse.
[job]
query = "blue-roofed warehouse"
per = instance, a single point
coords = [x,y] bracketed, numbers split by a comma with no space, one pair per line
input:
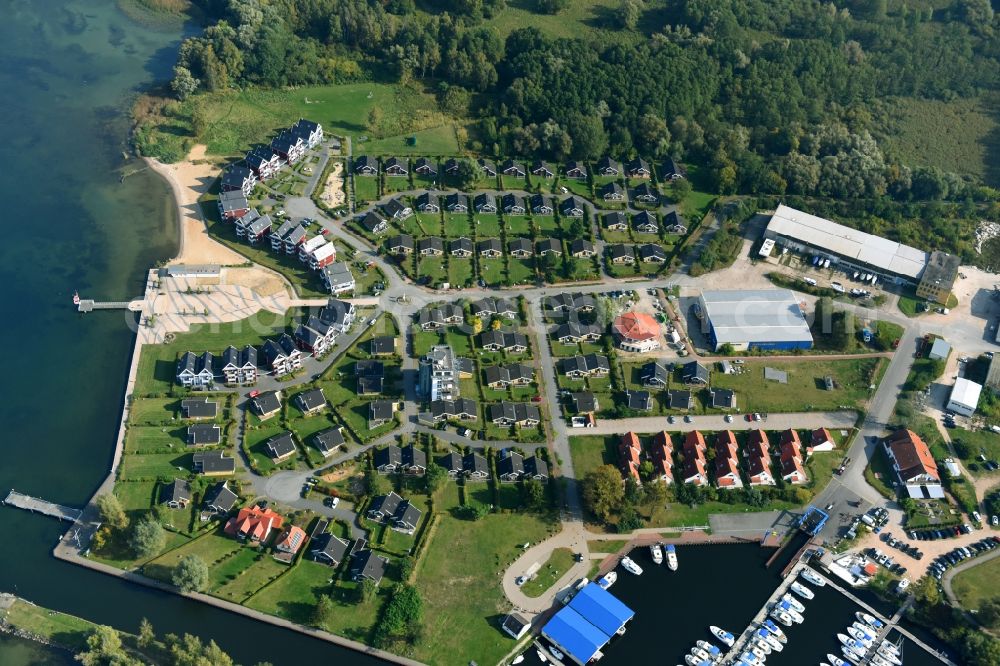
[601,608]
[587,623]
[578,639]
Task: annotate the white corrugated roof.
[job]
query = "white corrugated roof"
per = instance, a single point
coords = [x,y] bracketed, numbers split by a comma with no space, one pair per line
[876,251]
[966,393]
[755,315]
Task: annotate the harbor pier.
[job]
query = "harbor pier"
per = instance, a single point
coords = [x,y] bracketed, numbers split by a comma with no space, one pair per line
[35,505]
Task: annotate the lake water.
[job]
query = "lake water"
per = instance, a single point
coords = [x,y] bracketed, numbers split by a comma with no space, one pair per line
[67,69]
[723,585]
[19,652]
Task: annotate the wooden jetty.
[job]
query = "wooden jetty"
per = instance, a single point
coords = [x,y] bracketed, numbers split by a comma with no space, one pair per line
[89,305]
[35,505]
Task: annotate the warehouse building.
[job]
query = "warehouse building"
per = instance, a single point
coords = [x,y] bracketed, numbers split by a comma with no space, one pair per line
[964,397]
[754,319]
[851,249]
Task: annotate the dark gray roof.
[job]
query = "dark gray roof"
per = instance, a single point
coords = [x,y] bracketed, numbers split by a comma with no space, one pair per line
[328,547]
[462,243]
[656,373]
[473,463]
[369,368]
[177,490]
[547,245]
[570,206]
[520,245]
[383,344]
[329,439]
[267,402]
[456,199]
[639,400]
[372,221]
[365,161]
[414,456]
[390,455]
[620,250]
[428,200]
[281,445]
[203,434]
[199,408]
[311,399]
[484,200]
[406,515]
[651,251]
[367,564]
[213,462]
[489,244]
[510,463]
[695,372]
[385,504]
[430,243]
[380,410]
[395,207]
[580,245]
[535,466]
[679,399]
[585,401]
[221,497]
[723,398]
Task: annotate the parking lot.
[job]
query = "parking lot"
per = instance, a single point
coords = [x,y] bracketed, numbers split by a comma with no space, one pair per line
[930,549]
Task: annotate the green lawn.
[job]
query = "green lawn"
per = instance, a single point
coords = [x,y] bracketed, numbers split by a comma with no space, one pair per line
[805,390]
[463,594]
[135,496]
[970,444]
[429,224]
[214,548]
[517,225]
[976,585]
[591,451]
[582,269]
[365,188]
[250,579]
[696,205]
[547,226]
[294,595]
[486,226]
[433,268]
[255,445]
[522,271]
[434,140]
[555,568]
[152,411]
[908,304]
[879,474]
[492,271]
[158,363]
[67,630]
[590,19]
[156,439]
[141,466]
[457,225]
[460,271]
[423,341]
[410,225]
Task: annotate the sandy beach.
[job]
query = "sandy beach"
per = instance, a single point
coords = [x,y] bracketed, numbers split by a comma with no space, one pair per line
[189,180]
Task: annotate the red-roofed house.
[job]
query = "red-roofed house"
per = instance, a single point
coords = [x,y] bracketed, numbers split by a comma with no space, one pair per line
[289,543]
[631,469]
[725,444]
[759,459]
[636,332]
[911,459]
[792,470]
[629,451]
[694,445]
[253,524]
[661,453]
[727,474]
[694,471]
[820,440]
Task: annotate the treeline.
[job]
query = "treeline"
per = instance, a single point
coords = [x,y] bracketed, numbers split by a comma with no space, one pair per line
[773,96]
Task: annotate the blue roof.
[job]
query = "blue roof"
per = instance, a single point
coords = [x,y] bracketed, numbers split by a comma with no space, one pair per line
[580,639]
[601,608]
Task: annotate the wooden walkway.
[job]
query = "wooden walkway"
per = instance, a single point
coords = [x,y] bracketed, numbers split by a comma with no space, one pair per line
[743,639]
[89,305]
[35,505]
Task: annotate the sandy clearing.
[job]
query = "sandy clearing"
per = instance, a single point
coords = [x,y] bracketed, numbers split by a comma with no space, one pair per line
[333,190]
[189,180]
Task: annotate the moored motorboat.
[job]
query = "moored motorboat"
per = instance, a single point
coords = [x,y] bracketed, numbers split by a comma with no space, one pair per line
[869,620]
[794,603]
[556,653]
[801,590]
[657,553]
[889,645]
[706,646]
[722,635]
[631,566]
[795,615]
[864,628]
[671,557]
[877,660]
[518,659]
[757,652]
[775,644]
[890,657]
[859,636]
[692,660]
[782,617]
[608,579]
[698,652]
[775,630]
[850,642]
[852,655]
[835,660]
[749,657]
[541,656]
[812,577]
[762,645]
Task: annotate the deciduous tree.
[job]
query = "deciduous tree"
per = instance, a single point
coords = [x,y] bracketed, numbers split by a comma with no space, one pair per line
[191,574]
[603,491]
[112,513]
[148,538]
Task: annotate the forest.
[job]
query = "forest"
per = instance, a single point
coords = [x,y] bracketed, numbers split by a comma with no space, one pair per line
[768,97]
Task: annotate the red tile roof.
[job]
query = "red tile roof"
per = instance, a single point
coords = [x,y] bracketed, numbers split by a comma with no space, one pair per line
[725,445]
[662,468]
[694,441]
[630,469]
[694,467]
[757,465]
[820,436]
[725,466]
[636,326]
[291,540]
[254,523]
[629,439]
[793,466]
[663,439]
[913,458]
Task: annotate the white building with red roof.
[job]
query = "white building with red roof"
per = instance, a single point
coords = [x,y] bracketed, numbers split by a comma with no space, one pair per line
[636,332]
[253,524]
[913,463]
[758,454]
[792,470]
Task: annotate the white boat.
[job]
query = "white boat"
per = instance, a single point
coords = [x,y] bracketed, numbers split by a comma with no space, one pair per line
[698,652]
[775,630]
[869,620]
[812,577]
[757,652]
[835,660]
[890,646]
[541,656]
[775,644]
[518,659]
[795,615]
[801,590]
[861,626]
[556,653]
[608,579]
[860,636]
[762,645]
[855,645]
[671,557]
[852,655]
[890,657]
[878,660]
[657,553]
[631,566]
[794,603]
[691,660]
[782,617]
[722,635]
[749,657]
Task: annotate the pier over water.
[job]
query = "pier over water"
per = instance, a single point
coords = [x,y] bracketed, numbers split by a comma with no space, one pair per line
[35,505]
